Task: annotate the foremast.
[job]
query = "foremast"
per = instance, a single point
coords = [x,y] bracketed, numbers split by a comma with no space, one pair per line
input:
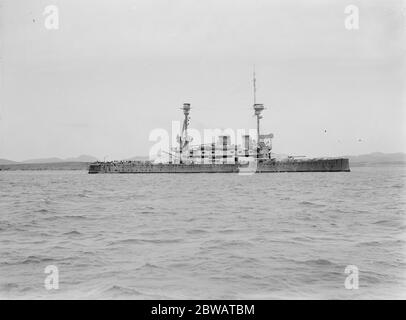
[184,139]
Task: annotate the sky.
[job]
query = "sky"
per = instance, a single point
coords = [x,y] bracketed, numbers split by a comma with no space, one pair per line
[115,70]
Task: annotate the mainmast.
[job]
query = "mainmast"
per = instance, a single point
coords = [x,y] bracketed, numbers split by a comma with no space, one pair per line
[186,111]
[258,107]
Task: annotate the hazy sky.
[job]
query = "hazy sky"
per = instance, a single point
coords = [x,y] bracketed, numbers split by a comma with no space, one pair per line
[115,70]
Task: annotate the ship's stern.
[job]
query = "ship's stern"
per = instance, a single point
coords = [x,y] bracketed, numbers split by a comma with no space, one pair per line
[95,168]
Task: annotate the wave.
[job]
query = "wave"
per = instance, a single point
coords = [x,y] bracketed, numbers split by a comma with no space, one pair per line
[385,243]
[369,243]
[149,266]
[146,208]
[310,203]
[146,212]
[196,231]
[75,217]
[162,241]
[390,223]
[82,195]
[36,260]
[229,231]
[319,262]
[9,286]
[244,259]
[72,217]
[220,244]
[46,201]
[381,222]
[72,233]
[141,241]
[119,290]
[42,211]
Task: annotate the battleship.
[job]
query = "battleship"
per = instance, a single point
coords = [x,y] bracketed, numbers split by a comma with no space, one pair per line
[253,155]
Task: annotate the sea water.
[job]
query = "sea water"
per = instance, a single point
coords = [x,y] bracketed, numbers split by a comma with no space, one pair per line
[203,236]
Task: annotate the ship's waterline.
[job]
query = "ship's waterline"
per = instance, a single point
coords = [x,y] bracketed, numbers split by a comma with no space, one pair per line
[317,165]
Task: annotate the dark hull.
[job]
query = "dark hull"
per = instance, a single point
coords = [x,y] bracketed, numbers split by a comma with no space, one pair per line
[311,165]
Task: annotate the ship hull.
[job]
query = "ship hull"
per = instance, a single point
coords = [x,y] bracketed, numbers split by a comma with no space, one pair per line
[311,165]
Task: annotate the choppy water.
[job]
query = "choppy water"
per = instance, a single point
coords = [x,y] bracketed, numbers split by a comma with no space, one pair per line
[287,235]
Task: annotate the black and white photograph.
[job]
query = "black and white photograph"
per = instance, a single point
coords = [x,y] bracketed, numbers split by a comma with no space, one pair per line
[228,150]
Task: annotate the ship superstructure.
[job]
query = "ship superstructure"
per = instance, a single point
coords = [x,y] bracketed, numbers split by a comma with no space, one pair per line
[222,150]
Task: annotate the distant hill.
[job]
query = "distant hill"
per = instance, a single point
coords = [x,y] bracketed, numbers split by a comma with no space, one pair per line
[5,161]
[43,160]
[81,158]
[378,158]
